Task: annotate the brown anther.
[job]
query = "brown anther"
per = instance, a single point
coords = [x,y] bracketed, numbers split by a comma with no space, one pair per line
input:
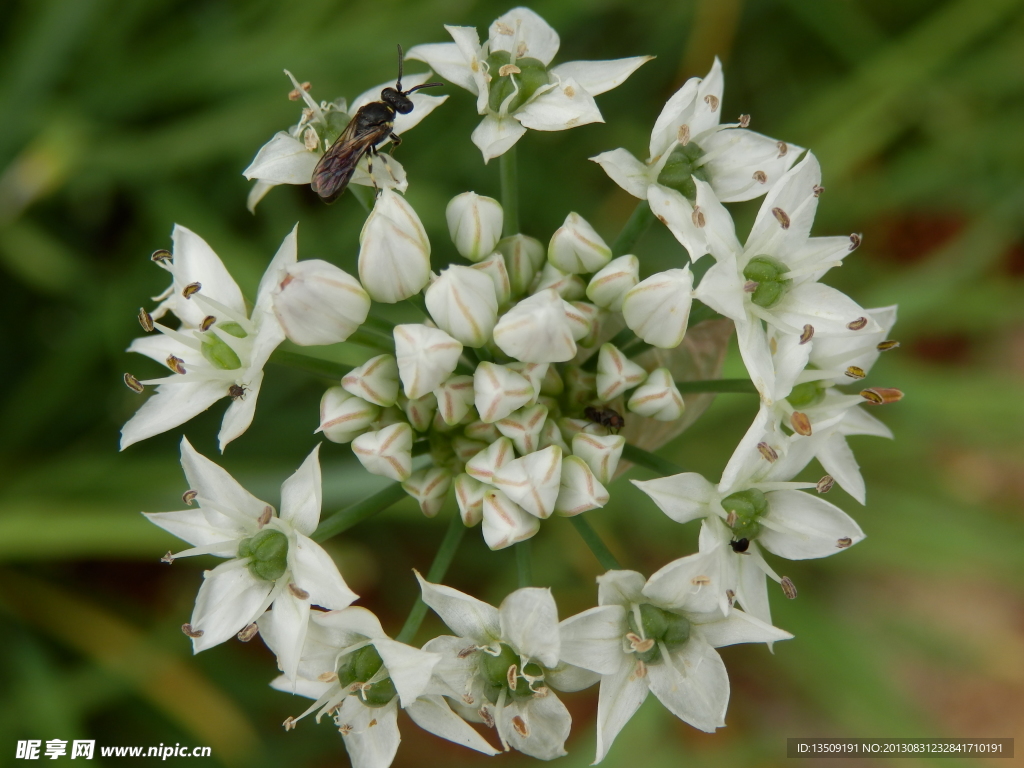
[191,289]
[189,496]
[504,28]
[825,484]
[541,692]
[844,542]
[700,581]
[467,699]
[486,716]
[295,94]
[640,671]
[310,140]
[265,515]
[133,384]
[817,190]
[193,633]
[712,101]
[885,346]
[207,323]
[698,217]
[730,596]
[639,644]
[782,217]
[750,286]
[290,723]
[854,241]
[176,364]
[788,588]
[808,334]
[236,392]
[509,69]
[307,114]
[511,677]
[731,519]
[345,729]
[744,121]
[161,255]
[683,134]
[855,372]
[760,177]
[467,651]
[521,50]
[857,325]
[168,558]
[372,723]
[146,320]
[881,395]
[800,423]
[298,592]
[520,725]
[768,452]
[249,632]
[783,148]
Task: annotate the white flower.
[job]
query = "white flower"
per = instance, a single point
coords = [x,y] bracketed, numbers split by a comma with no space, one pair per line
[474,223]
[290,156]
[419,411]
[376,380]
[504,522]
[640,642]
[689,145]
[608,288]
[658,398]
[492,458]
[601,452]
[576,247]
[318,303]
[454,398]
[524,426]
[426,357]
[462,302]
[616,373]
[536,330]
[273,560]
[658,308]
[524,255]
[469,493]
[515,86]
[579,490]
[343,416]
[394,251]
[387,451]
[219,350]
[532,481]
[494,267]
[361,677]
[498,661]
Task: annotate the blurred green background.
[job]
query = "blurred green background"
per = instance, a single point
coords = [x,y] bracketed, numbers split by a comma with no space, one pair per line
[118,119]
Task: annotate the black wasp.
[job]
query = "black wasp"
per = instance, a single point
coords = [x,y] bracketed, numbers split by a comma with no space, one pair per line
[606,417]
[370,127]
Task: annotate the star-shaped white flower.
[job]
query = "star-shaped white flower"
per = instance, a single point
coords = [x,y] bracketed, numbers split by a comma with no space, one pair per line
[291,156]
[643,638]
[273,562]
[513,80]
[361,677]
[218,351]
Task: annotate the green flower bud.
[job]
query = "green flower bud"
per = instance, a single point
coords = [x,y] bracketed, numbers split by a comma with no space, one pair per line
[380,693]
[531,76]
[495,671]
[219,354]
[269,552]
[658,625]
[358,667]
[680,167]
[808,393]
[495,668]
[233,329]
[748,506]
[767,273]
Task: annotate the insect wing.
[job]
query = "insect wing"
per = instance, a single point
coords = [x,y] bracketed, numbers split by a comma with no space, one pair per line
[335,169]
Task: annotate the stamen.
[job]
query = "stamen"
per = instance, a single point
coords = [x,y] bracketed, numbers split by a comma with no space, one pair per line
[520,725]
[684,135]
[639,644]
[855,372]
[249,632]
[768,452]
[854,242]
[825,484]
[783,148]
[168,558]
[510,676]
[295,95]
[698,217]
[730,596]
[298,592]
[639,671]
[467,651]
[264,518]
[782,216]
[146,320]
[701,581]
[162,256]
[844,542]
[486,716]
[744,121]
[760,177]
[817,190]
[509,69]
[731,519]
[788,588]
[191,632]
[881,395]
[189,496]
[290,723]
[344,729]
[712,101]
[750,286]
[800,423]
[808,334]
[858,324]
[176,364]
[885,346]
[133,384]
[191,290]
[310,140]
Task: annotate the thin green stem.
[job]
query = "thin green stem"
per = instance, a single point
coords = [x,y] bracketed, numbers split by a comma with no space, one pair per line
[367,337]
[361,510]
[524,564]
[420,303]
[438,568]
[509,192]
[319,366]
[634,229]
[650,460]
[740,386]
[597,546]
[380,325]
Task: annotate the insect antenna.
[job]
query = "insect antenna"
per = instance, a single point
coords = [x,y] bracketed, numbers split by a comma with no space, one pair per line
[401,57]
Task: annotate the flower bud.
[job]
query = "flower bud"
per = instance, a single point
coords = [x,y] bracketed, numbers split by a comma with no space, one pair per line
[608,287]
[474,222]
[386,452]
[463,303]
[616,373]
[532,481]
[426,357]
[601,453]
[490,460]
[579,490]
[465,449]
[469,493]
[498,391]
[523,428]
[523,257]
[343,415]
[318,303]
[505,522]
[583,320]
[429,487]
[658,308]
[536,330]
[569,286]
[376,380]
[658,398]
[532,372]
[576,247]
[481,430]
[550,434]
[394,252]
[494,267]
[454,399]
[420,411]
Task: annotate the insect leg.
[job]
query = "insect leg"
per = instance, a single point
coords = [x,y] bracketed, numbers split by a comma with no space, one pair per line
[395,141]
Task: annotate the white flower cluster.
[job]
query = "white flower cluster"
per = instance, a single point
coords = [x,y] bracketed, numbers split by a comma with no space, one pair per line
[512,389]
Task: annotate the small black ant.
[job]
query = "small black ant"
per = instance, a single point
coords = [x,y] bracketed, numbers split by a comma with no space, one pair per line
[606,417]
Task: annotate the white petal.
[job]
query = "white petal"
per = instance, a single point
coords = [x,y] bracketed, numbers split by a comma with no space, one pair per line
[620,588]
[317,303]
[215,484]
[495,135]
[739,156]
[394,251]
[240,412]
[838,460]
[432,713]
[626,171]
[409,668]
[523,26]
[429,487]
[504,522]
[529,623]
[579,490]
[567,105]
[793,195]
[448,60]
[697,692]
[229,599]
[621,695]
[170,407]
[523,427]
[692,583]
[301,495]
[469,493]
[369,746]
[597,77]
[658,309]
[828,310]
[676,212]
[498,391]
[682,497]
[541,729]
[593,639]
[195,262]
[284,628]
[313,570]
[566,677]
[577,248]
[738,627]
[463,303]
[283,160]
[678,111]
[608,288]
[193,526]
[465,615]
[812,526]
[658,398]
